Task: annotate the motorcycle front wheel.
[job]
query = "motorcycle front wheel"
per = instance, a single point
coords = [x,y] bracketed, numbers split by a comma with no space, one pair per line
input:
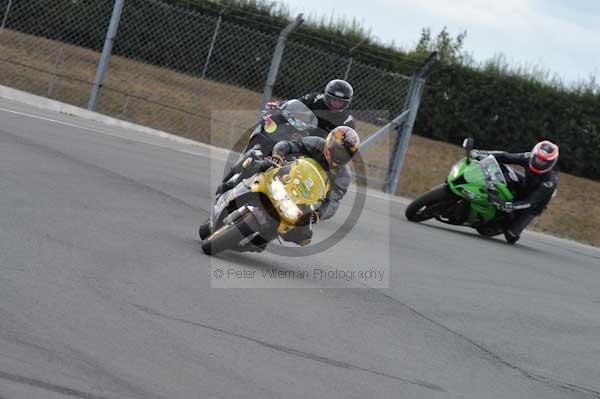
[227,236]
[430,204]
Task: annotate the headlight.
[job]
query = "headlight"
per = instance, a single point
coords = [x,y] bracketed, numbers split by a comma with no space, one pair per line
[278,190]
[455,171]
[290,209]
[285,204]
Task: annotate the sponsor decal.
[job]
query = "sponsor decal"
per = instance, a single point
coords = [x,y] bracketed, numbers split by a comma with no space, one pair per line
[309,183]
[270,125]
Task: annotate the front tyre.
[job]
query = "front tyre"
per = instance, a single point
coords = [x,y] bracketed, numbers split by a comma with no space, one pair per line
[204,230]
[429,204]
[228,236]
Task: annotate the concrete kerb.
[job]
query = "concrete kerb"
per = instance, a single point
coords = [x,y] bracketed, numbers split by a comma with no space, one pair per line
[71,110]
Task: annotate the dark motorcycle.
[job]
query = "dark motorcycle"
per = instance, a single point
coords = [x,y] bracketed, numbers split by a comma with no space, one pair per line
[292,121]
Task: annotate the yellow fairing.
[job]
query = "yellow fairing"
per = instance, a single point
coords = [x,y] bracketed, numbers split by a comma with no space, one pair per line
[305,183]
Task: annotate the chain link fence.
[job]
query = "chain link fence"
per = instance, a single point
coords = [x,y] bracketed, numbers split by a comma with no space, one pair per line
[172,68]
[379,95]
[36,52]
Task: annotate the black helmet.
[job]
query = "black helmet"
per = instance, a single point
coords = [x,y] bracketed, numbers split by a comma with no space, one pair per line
[338,94]
[543,157]
[341,144]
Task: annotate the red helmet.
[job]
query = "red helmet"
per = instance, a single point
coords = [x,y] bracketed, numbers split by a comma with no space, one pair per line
[543,157]
[341,144]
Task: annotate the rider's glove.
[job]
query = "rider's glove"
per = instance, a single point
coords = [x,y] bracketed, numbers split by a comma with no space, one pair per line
[255,154]
[272,105]
[251,156]
[478,154]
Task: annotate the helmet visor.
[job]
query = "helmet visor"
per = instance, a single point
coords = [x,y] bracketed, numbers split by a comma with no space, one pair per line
[336,103]
[541,164]
[339,155]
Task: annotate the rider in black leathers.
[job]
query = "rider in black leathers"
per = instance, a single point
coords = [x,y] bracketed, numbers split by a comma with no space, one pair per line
[534,190]
[332,153]
[330,107]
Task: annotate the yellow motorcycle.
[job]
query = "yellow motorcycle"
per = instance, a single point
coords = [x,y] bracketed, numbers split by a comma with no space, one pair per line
[264,206]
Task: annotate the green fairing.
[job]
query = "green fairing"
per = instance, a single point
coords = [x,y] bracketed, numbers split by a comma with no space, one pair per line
[467,179]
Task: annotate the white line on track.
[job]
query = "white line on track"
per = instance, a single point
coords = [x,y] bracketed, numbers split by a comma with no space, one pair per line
[136,139]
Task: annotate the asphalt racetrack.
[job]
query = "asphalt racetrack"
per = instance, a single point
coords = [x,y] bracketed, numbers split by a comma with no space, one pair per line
[105,292]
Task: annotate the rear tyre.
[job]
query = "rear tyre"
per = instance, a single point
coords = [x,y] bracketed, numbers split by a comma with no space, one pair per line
[424,207]
[227,237]
[488,232]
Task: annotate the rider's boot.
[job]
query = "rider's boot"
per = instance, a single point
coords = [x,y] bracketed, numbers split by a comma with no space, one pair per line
[511,237]
[513,233]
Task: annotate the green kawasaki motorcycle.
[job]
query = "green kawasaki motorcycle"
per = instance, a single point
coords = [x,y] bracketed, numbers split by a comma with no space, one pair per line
[465,198]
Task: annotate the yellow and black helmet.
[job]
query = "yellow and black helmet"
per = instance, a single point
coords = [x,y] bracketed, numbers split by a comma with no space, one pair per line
[341,144]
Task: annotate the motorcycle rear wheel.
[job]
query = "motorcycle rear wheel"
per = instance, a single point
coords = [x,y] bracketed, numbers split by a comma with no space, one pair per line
[486,232]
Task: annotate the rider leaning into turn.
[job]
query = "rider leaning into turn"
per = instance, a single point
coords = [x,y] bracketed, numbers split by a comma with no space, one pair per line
[332,153]
[534,190]
[331,107]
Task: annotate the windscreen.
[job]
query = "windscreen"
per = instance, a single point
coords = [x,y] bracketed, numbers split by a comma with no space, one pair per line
[492,171]
[299,115]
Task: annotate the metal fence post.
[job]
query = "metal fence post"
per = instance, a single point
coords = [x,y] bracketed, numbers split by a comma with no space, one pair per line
[212,43]
[413,101]
[125,104]
[61,52]
[395,123]
[351,60]
[106,51]
[276,61]
[5,16]
[348,68]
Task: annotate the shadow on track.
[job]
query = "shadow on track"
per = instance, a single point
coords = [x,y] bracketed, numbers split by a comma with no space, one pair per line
[472,234]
